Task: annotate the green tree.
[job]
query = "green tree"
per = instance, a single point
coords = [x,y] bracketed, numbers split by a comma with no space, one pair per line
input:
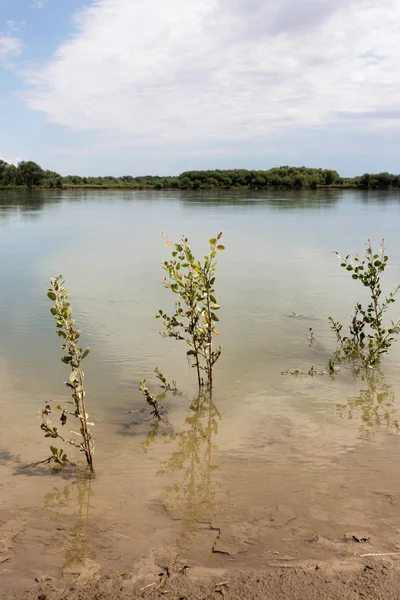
[331,177]
[365,180]
[29,174]
[9,175]
[3,167]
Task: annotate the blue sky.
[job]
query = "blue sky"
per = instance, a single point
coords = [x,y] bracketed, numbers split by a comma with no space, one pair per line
[115,87]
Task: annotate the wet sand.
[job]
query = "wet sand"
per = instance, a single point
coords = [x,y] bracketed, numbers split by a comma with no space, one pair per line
[162,574]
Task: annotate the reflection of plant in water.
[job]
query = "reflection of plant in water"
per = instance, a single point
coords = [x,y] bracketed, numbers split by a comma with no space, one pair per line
[375,405]
[193,456]
[79,545]
[153,434]
[57,499]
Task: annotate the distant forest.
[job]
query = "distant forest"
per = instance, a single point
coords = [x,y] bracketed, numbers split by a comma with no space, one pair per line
[30,175]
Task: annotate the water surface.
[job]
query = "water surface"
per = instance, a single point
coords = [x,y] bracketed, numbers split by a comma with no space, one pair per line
[316,450]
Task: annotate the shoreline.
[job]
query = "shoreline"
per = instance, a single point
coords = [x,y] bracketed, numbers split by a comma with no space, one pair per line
[189,189]
[163,574]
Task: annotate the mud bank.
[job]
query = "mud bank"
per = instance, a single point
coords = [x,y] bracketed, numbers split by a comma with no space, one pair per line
[161,574]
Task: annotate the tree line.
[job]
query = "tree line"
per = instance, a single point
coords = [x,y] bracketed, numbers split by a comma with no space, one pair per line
[28,174]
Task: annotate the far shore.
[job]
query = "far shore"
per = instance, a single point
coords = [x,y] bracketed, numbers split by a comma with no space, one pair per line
[192,189]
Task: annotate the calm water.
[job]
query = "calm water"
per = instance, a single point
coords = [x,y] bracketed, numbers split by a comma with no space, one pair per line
[261,425]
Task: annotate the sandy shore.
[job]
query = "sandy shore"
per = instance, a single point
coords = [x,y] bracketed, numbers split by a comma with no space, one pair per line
[163,575]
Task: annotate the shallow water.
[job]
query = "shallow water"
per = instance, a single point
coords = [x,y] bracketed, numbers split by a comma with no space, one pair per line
[273,458]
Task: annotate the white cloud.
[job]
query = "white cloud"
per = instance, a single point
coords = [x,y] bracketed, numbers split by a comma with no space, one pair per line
[9,47]
[189,74]
[15,25]
[38,4]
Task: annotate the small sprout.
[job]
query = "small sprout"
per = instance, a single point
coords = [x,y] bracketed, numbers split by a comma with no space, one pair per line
[331,366]
[168,387]
[151,399]
[58,456]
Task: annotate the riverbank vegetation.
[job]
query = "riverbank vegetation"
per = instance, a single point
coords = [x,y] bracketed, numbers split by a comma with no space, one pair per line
[29,175]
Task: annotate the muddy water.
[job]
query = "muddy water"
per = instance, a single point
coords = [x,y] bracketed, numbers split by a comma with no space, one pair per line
[274,467]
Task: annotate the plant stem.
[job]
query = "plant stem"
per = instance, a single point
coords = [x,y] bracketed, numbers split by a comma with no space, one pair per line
[83,418]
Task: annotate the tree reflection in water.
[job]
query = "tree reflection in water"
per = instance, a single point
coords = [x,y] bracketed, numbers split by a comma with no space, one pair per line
[193,493]
[374,405]
[78,546]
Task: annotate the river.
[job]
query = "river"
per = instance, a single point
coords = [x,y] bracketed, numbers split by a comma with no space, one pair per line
[273,463]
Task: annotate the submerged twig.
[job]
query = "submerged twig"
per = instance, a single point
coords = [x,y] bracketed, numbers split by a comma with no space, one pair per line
[151,399]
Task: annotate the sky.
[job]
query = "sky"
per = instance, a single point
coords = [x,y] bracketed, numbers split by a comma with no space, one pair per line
[114,87]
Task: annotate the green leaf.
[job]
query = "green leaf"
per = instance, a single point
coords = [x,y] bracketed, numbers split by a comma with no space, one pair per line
[213,241]
[84,355]
[221,247]
[52,296]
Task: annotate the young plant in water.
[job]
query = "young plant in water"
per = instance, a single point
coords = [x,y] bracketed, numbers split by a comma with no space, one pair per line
[154,400]
[369,337]
[168,387]
[151,399]
[74,356]
[194,319]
